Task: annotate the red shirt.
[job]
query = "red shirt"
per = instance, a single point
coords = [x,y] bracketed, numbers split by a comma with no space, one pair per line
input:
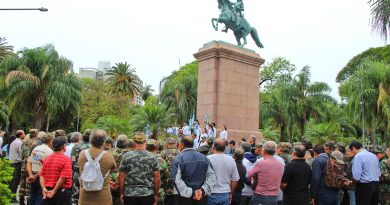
[56,166]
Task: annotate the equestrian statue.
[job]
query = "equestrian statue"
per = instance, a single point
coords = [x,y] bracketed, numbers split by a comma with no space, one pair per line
[231,15]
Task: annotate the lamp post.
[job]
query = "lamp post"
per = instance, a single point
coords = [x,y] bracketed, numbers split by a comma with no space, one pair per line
[25,9]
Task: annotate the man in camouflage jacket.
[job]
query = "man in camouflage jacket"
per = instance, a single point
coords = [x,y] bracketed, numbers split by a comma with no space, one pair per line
[168,155]
[117,153]
[74,155]
[384,180]
[28,145]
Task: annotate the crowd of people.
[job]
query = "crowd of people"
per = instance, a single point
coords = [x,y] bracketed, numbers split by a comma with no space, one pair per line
[91,168]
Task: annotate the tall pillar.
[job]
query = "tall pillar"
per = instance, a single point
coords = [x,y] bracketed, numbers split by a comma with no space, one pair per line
[228,88]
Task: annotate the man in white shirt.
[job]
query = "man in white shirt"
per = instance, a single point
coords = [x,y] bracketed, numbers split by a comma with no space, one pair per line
[15,155]
[34,165]
[74,139]
[227,175]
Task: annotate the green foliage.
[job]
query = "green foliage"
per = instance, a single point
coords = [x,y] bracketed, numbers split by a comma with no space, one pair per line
[380,54]
[113,126]
[278,68]
[146,92]
[40,82]
[123,79]
[179,93]
[153,117]
[5,177]
[5,49]
[380,19]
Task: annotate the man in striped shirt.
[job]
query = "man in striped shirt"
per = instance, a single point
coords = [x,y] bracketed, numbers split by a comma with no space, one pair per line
[56,175]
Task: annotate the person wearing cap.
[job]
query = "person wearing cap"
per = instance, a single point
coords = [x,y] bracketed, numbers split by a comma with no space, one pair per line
[141,171]
[29,143]
[226,169]
[56,175]
[296,179]
[284,152]
[384,180]
[121,148]
[74,155]
[168,154]
[320,193]
[34,166]
[204,149]
[249,162]
[152,147]
[259,150]
[107,164]
[60,133]
[366,173]
[192,174]
[267,174]
[74,140]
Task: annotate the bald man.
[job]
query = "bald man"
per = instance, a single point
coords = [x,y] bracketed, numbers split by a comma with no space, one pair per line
[226,169]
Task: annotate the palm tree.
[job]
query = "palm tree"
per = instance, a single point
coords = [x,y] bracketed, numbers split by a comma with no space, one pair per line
[152,117]
[146,92]
[124,80]
[44,84]
[380,19]
[5,49]
[310,97]
[179,93]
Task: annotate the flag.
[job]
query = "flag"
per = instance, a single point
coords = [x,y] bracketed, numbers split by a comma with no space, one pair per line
[191,121]
[206,119]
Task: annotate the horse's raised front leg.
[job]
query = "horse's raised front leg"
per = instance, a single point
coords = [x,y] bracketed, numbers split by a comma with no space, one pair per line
[215,21]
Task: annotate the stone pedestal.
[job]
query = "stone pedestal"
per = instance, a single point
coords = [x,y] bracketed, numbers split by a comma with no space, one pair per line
[228,88]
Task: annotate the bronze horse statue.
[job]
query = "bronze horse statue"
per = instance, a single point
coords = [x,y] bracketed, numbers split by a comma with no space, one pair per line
[233,19]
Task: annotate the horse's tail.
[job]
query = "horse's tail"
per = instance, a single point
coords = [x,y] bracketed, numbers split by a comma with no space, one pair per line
[255,37]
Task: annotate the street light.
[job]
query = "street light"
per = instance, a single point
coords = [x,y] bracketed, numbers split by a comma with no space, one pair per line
[25,9]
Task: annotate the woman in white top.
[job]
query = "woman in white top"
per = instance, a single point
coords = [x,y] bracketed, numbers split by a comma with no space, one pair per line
[224,133]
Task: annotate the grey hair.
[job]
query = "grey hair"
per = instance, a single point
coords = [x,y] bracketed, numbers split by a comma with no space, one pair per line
[75,136]
[97,138]
[270,147]
[122,141]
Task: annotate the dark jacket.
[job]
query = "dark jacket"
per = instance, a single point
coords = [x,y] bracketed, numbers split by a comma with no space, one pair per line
[318,186]
[191,170]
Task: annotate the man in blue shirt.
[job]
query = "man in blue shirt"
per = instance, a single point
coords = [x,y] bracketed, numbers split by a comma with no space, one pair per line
[366,173]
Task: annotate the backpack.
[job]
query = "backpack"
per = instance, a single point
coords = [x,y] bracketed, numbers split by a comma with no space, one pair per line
[92,178]
[335,176]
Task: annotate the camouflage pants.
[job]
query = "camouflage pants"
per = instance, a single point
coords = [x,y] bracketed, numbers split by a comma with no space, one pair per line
[161,197]
[24,189]
[75,189]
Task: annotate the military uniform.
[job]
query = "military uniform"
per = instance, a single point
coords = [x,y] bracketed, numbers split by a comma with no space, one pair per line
[384,184]
[139,167]
[76,170]
[168,155]
[117,153]
[24,189]
[164,176]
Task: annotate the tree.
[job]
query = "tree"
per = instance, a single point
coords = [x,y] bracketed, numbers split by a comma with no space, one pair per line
[42,83]
[279,67]
[380,19]
[124,80]
[367,90]
[310,97]
[380,54]
[146,92]
[152,117]
[114,126]
[6,171]
[179,93]
[5,49]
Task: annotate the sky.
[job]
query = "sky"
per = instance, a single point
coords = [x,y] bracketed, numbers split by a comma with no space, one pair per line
[156,37]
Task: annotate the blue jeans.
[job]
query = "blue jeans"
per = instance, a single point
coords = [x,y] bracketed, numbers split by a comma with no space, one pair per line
[351,194]
[328,198]
[218,199]
[264,200]
[36,193]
